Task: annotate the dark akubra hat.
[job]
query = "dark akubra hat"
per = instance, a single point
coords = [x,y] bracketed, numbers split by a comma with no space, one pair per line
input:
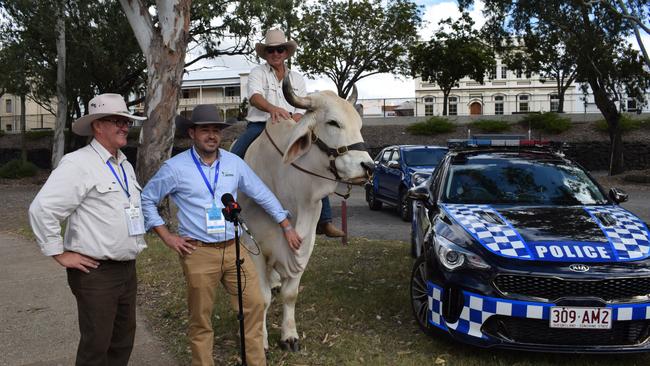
[202,114]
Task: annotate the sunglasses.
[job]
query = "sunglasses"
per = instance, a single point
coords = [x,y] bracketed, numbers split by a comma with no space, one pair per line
[119,122]
[277,49]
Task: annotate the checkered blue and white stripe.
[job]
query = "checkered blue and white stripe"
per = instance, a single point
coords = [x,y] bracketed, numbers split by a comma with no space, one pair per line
[629,236]
[477,309]
[500,239]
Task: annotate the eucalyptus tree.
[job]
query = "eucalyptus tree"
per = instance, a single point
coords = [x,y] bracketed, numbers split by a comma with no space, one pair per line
[455,51]
[596,38]
[347,41]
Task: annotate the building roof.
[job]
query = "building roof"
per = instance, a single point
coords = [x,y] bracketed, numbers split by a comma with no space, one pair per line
[214,77]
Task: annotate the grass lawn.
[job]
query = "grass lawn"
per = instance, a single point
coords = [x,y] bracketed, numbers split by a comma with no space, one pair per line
[353,309]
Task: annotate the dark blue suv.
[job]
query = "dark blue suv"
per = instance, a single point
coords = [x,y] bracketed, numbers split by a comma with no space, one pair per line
[397,169]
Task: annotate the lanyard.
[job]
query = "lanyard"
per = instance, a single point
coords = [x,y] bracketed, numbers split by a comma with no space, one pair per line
[124,186]
[205,179]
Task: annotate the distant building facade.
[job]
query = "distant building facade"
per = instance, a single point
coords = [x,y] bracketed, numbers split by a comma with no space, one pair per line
[506,92]
[36,116]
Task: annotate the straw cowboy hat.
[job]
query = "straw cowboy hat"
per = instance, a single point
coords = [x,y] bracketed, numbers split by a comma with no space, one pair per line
[202,114]
[274,38]
[101,106]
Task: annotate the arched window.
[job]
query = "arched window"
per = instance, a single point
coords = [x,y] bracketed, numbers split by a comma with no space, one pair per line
[498,104]
[523,100]
[428,106]
[555,103]
[453,106]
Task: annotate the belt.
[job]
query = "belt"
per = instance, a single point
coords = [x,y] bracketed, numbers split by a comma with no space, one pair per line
[219,244]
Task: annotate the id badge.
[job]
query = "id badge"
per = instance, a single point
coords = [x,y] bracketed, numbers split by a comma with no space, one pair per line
[134,220]
[214,221]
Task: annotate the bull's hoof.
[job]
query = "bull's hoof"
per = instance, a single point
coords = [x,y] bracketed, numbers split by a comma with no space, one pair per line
[291,345]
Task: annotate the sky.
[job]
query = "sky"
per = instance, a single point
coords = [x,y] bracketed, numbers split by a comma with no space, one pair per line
[389,85]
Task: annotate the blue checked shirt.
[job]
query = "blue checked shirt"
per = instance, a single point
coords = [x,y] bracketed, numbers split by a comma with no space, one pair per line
[180,179]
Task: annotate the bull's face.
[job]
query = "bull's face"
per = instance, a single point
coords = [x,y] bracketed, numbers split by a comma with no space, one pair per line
[334,126]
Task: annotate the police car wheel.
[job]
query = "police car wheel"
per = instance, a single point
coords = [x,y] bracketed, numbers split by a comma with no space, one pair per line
[419,295]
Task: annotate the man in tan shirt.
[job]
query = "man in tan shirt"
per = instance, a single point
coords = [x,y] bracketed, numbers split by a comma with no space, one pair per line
[95,189]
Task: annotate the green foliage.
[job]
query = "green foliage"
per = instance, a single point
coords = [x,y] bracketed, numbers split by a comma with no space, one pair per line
[134,133]
[432,126]
[626,124]
[350,40]
[17,168]
[490,125]
[549,122]
[2,133]
[38,134]
[451,56]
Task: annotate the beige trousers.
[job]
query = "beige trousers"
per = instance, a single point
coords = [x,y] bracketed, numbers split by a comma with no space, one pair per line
[204,269]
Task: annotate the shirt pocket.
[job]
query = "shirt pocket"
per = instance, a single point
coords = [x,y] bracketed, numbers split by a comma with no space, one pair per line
[107,188]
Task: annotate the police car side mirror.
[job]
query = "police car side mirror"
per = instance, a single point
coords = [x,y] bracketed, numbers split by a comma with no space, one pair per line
[618,195]
[393,164]
[419,193]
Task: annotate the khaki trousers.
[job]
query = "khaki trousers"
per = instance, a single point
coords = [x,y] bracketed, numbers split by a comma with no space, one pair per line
[204,269]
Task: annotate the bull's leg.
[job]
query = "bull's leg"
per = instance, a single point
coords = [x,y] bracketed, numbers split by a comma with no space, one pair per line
[275,282]
[289,292]
[263,273]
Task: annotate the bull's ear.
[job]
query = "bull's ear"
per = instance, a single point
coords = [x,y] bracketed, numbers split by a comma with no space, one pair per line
[300,140]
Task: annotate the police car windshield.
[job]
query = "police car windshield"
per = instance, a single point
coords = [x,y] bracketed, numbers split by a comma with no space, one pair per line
[424,157]
[519,181]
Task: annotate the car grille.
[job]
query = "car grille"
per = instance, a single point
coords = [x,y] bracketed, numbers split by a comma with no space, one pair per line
[537,331]
[551,288]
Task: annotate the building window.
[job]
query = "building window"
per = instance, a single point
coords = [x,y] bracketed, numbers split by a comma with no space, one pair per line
[8,127]
[453,106]
[493,73]
[498,104]
[8,106]
[528,74]
[185,93]
[428,106]
[631,105]
[504,72]
[519,73]
[555,103]
[523,103]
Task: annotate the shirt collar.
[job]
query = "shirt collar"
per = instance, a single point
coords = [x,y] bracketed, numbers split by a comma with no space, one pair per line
[105,155]
[193,151]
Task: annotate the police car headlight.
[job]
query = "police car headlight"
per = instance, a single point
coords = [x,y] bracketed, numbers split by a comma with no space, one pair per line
[418,178]
[453,257]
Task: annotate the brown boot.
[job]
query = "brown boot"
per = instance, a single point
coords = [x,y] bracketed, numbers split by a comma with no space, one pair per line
[329,229]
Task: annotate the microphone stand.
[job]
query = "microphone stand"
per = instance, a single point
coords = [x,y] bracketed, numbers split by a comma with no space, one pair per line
[239,262]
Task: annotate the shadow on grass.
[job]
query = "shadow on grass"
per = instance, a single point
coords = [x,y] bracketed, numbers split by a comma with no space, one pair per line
[353,309]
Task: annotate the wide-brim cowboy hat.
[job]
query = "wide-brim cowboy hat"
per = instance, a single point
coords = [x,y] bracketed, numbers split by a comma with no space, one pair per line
[275,38]
[101,106]
[202,114]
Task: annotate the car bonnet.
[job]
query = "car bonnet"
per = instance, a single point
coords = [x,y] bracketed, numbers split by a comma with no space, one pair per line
[606,233]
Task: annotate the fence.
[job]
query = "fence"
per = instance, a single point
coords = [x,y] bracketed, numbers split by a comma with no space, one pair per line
[11,123]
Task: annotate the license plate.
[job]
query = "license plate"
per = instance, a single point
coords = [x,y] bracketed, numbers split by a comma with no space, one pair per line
[579,317]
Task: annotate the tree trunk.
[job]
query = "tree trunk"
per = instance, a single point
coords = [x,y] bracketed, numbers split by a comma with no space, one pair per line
[23,130]
[560,101]
[608,108]
[445,97]
[164,77]
[58,142]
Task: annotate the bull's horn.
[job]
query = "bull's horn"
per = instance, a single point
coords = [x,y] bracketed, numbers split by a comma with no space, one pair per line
[291,97]
[353,96]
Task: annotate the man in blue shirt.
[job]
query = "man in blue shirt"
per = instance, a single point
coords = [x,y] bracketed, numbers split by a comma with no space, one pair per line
[195,180]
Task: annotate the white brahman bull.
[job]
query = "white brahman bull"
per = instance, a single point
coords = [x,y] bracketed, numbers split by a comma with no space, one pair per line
[301,163]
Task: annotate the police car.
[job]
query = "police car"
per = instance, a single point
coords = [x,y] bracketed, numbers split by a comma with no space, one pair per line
[524,250]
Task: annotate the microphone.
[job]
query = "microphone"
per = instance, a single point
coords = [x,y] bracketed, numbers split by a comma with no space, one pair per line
[231,208]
